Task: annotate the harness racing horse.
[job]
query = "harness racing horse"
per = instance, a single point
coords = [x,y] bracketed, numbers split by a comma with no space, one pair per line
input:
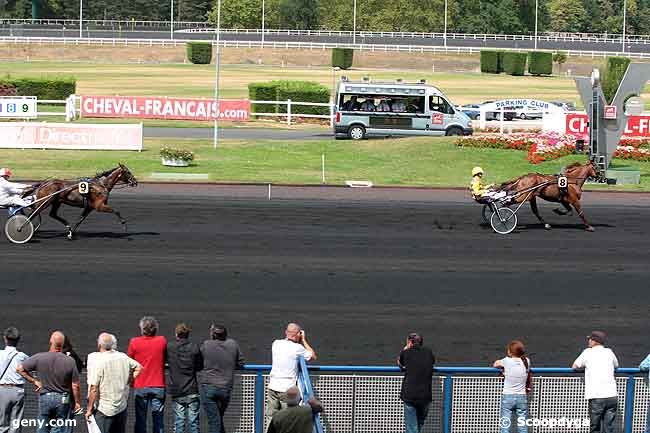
[99,188]
[576,174]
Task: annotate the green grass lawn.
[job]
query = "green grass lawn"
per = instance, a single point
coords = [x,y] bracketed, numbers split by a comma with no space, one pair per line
[404,162]
[198,80]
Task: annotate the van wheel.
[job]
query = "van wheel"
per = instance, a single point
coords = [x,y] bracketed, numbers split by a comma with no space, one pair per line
[454,130]
[357,132]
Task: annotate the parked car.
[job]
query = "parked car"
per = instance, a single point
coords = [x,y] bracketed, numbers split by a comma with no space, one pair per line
[527,113]
[473,111]
[567,106]
[508,114]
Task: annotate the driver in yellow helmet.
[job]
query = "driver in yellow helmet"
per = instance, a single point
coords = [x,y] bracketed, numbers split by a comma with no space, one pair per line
[479,190]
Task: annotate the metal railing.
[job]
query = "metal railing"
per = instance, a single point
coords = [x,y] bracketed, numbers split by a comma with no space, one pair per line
[365,399]
[126,42]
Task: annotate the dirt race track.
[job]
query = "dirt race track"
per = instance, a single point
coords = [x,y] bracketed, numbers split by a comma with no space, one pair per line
[358,268]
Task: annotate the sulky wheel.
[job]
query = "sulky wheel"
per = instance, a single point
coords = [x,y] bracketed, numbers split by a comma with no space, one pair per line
[504,220]
[19,229]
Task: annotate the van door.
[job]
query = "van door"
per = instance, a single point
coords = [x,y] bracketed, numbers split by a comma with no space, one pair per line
[441,113]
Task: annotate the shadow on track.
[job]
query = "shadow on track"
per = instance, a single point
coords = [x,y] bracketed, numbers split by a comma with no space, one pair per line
[50,234]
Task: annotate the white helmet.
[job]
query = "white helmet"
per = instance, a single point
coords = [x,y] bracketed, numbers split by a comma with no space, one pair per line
[5,172]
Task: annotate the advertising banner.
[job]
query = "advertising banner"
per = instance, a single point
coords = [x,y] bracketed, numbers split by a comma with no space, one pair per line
[153,107]
[578,124]
[43,135]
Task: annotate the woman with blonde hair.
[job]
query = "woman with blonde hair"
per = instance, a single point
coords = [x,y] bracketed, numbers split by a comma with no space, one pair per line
[516,386]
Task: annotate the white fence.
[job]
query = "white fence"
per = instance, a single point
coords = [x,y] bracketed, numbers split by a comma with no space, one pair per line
[127,42]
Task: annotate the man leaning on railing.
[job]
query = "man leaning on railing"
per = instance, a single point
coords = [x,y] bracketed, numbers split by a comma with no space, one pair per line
[295,418]
[416,361]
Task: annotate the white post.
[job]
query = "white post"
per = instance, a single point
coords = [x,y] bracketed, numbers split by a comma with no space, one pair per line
[446,8]
[217,72]
[288,111]
[81,18]
[501,123]
[263,19]
[624,21]
[269,191]
[354,23]
[171,31]
[323,166]
[331,113]
[536,11]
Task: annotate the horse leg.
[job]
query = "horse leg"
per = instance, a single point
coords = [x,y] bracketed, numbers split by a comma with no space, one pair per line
[84,215]
[533,207]
[578,208]
[54,215]
[103,207]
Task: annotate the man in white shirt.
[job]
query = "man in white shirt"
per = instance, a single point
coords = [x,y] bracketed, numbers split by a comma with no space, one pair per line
[599,364]
[284,370]
[112,376]
[12,392]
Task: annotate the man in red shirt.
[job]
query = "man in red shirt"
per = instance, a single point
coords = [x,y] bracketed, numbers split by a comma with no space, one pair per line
[150,351]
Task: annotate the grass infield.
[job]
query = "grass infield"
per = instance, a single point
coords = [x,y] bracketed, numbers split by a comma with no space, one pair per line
[429,162]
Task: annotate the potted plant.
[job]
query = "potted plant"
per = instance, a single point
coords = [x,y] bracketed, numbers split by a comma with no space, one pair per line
[176,157]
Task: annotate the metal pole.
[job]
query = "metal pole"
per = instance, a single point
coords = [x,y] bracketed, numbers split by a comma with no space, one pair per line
[624,21]
[263,19]
[446,8]
[217,73]
[354,23]
[536,12]
[81,16]
[171,32]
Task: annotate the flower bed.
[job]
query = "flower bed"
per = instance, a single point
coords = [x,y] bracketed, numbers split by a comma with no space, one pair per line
[548,146]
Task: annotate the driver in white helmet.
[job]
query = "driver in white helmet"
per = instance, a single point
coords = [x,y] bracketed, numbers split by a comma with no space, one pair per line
[11,192]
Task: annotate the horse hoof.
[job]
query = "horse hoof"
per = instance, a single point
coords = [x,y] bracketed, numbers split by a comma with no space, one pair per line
[547,226]
[70,236]
[590,229]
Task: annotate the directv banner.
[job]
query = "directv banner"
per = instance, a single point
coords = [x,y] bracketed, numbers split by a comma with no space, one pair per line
[32,135]
[144,107]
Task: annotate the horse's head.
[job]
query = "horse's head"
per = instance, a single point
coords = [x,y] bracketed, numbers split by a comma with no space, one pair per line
[127,177]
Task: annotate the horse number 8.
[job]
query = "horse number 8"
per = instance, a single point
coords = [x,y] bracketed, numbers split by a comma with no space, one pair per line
[562,182]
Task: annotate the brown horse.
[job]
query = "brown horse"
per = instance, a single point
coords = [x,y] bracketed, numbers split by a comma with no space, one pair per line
[576,174]
[100,187]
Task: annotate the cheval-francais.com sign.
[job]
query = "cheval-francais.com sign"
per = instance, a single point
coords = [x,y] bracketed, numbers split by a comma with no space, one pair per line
[145,107]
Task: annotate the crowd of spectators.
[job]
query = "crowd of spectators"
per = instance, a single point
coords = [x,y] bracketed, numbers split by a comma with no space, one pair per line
[202,376]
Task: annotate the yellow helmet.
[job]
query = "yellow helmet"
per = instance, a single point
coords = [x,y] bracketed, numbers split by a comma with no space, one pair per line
[477,170]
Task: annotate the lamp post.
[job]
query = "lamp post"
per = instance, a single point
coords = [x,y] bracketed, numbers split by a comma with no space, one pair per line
[216,81]
[334,69]
[536,14]
[445,35]
[624,21]
[263,16]
[354,23]
[171,31]
[81,18]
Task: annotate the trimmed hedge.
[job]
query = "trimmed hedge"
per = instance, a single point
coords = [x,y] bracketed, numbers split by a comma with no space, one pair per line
[611,78]
[342,57]
[540,63]
[42,88]
[490,61]
[199,53]
[514,63]
[297,91]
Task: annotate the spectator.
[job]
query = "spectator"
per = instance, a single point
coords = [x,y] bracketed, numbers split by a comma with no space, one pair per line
[599,364]
[149,350]
[383,106]
[92,359]
[515,368]
[12,393]
[184,360]
[645,367]
[399,106]
[221,357]
[113,374]
[352,104]
[68,350]
[416,361]
[57,384]
[295,418]
[284,370]
[368,105]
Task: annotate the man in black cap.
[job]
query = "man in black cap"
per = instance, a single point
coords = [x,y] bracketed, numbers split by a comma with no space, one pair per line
[416,361]
[599,364]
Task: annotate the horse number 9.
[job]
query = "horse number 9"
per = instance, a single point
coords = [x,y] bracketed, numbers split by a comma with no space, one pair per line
[562,182]
[25,108]
[83,188]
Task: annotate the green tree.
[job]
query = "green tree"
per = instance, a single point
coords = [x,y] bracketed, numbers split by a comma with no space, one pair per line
[566,15]
[300,14]
[560,57]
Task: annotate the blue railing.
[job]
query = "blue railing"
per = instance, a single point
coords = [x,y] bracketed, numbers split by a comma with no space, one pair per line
[447,376]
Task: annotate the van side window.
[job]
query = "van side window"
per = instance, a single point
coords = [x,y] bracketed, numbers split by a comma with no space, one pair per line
[436,103]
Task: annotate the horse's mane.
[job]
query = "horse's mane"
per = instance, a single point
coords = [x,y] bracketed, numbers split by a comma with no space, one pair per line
[105,173]
[574,165]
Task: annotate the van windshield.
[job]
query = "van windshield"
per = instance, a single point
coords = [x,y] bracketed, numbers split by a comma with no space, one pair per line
[439,104]
[381,103]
